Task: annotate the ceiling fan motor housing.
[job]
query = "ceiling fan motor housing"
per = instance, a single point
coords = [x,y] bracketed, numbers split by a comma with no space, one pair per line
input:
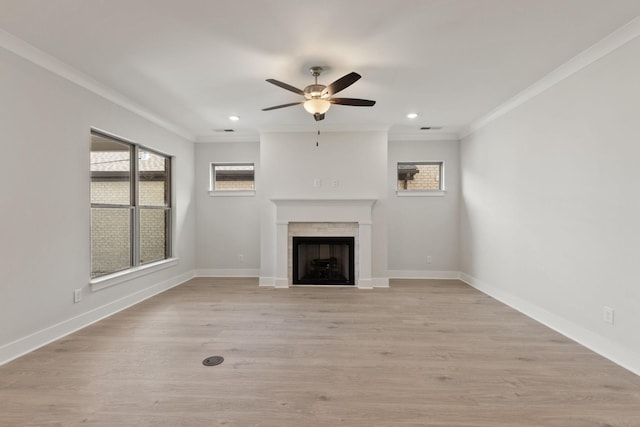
[314,91]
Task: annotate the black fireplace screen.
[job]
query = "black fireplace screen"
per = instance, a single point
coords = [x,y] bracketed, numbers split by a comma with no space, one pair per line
[323,261]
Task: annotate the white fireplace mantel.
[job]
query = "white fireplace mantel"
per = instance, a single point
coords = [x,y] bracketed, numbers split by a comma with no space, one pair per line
[324,210]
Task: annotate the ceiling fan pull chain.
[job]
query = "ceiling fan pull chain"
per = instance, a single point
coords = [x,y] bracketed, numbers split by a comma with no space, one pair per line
[318,138]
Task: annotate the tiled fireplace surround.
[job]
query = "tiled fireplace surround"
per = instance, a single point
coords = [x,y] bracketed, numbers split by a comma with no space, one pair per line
[323,217]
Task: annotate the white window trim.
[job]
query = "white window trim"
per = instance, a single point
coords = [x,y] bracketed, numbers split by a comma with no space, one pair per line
[230,193]
[119,277]
[115,278]
[422,193]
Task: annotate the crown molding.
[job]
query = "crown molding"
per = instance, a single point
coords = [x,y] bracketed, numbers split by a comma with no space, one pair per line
[246,136]
[227,137]
[325,128]
[424,136]
[23,49]
[613,41]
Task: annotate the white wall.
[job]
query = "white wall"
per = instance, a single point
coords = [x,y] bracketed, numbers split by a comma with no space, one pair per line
[227,226]
[45,209]
[416,226]
[290,162]
[550,206]
[424,226]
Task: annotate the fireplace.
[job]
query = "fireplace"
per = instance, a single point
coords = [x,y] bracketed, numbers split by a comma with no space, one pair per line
[316,218]
[323,260]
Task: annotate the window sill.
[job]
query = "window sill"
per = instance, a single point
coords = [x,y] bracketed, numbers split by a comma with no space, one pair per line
[233,193]
[130,274]
[417,193]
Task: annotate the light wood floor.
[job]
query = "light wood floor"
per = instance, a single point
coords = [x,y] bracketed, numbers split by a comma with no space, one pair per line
[422,353]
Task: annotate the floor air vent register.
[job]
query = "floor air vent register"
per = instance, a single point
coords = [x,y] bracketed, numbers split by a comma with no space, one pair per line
[213,360]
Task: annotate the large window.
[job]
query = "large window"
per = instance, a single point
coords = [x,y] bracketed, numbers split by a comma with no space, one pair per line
[130,205]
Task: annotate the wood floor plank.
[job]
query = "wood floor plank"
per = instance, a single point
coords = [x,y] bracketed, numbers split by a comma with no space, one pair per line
[422,353]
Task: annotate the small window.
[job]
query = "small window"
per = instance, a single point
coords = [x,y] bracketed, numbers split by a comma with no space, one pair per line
[420,177]
[232,178]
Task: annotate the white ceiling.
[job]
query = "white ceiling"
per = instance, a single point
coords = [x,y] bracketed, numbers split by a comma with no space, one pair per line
[196,62]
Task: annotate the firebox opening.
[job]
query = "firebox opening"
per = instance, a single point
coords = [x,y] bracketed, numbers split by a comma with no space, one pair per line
[323,261]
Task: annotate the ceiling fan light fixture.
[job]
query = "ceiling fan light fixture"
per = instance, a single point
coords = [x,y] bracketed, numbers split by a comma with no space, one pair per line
[318,98]
[317,106]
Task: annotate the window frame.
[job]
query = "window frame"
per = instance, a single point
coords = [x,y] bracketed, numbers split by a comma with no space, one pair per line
[222,193]
[137,268]
[421,192]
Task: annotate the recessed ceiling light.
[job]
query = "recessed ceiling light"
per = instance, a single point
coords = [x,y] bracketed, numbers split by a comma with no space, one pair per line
[412,115]
[234,118]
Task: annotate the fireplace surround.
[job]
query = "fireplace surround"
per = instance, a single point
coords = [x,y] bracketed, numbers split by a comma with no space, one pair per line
[330,217]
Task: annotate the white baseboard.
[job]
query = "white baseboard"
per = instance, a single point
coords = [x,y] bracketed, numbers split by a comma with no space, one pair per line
[273,282]
[282,283]
[376,282]
[267,281]
[228,272]
[364,284]
[423,274]
[380,282]
[597,343]
[22,346]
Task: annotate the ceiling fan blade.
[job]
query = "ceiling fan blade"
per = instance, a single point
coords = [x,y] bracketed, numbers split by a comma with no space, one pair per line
[282,106]
[286,86]
[353,101]
[342,83]
[318,116]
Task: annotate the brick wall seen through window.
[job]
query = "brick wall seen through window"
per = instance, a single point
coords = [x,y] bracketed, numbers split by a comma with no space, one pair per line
[130,205]
[232,177]
[420,176]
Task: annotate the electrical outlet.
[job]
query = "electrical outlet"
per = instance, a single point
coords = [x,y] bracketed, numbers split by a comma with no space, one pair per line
[77,295]
[241,258]
[429,259]
[317,183]
[607,314]
[335,183]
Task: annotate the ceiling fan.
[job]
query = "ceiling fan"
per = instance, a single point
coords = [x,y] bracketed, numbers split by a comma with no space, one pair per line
[318,98]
